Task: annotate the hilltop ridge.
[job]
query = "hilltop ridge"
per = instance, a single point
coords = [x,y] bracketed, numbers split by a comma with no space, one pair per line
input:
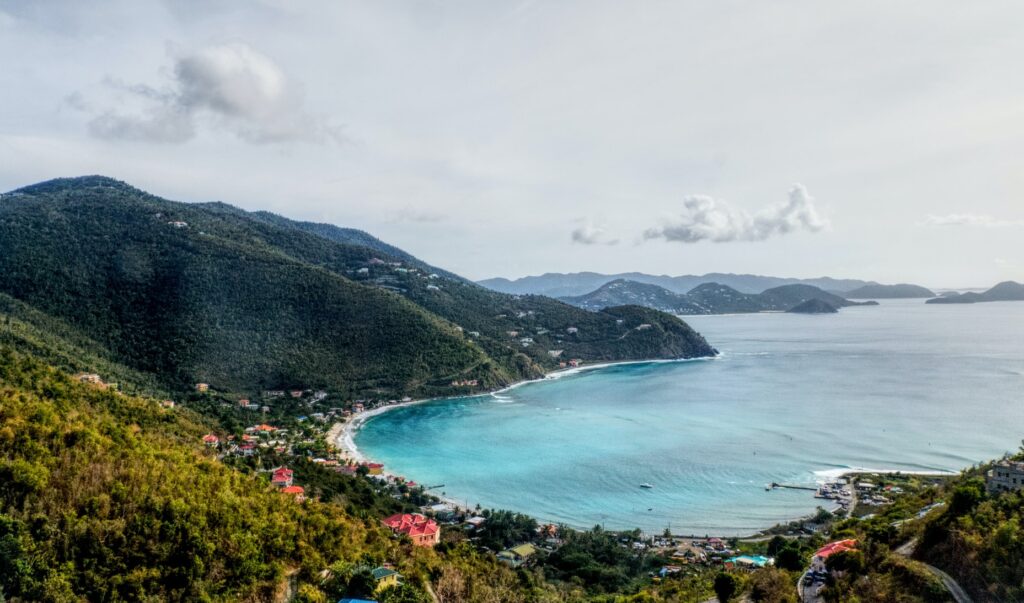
[195,292]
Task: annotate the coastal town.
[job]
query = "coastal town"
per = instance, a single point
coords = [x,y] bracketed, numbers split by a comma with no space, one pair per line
[285,446]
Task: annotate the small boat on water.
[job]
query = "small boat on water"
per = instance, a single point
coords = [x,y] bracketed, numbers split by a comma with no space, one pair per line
[646,485]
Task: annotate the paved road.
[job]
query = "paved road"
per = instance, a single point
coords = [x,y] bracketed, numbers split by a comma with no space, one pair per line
[954,588]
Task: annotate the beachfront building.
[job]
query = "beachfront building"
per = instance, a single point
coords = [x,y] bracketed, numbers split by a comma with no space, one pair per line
[1005,476]
[420,529]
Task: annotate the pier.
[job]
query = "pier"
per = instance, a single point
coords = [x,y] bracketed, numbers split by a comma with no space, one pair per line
[791,487]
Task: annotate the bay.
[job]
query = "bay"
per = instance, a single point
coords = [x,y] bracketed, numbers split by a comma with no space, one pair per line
[792,398]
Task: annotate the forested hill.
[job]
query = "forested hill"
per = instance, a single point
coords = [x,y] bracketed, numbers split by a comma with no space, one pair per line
[207,292]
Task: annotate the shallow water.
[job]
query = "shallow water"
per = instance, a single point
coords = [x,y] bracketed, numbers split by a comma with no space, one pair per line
[902,385]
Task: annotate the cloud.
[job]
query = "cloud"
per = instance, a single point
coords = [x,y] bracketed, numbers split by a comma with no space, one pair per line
[231,86]
[708,219]
[982,220]
[589,234]
[420,216]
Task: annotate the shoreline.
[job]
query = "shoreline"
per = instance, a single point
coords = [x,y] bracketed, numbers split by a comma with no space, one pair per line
[342,435]
[345,439]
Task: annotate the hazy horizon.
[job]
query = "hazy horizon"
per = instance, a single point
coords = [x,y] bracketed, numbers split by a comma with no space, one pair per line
[864,141]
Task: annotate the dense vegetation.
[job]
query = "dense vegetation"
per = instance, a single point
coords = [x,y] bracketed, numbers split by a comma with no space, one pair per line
[979,539]
[209,293]
[103,498]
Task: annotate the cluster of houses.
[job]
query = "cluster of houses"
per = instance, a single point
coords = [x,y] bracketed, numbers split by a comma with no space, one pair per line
[465,383]
[282,477]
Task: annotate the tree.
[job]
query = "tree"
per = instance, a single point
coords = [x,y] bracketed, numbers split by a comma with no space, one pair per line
[789,558]
[851,561]
[771,585]
[966,496]
[402,593]
[361,585]
[725,586]
[450,586]
[776,544]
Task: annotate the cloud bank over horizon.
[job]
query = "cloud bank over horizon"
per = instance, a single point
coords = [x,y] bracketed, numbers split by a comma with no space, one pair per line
[707,219]
[981,220]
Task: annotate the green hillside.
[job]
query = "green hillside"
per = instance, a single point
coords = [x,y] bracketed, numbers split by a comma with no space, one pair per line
[209,293]
[102,499]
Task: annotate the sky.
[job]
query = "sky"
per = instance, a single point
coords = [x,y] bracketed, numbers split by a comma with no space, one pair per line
[872,140]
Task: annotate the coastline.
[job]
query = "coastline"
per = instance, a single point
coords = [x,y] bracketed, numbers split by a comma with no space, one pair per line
[342,434]
[345,438]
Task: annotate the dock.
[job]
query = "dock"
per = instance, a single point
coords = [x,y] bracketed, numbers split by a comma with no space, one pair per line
[792,487]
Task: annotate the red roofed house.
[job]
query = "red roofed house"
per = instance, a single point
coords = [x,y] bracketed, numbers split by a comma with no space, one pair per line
[298,491]
[281,477]
[211,440]
[830,549]
[422,531]
[375,468]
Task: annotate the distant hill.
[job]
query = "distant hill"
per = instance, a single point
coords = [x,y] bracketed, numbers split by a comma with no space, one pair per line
[813,306]
[621,292]
[708,298]
[211,293]
[901,291]
[787,296]
[716,298]
[1005,291]
[582,283]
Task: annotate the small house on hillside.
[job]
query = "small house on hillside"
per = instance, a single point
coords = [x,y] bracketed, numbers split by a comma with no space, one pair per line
[281,477]
[517,555]
[385,577]
[419,528]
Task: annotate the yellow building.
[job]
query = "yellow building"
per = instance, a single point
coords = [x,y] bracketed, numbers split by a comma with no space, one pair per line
[385,577]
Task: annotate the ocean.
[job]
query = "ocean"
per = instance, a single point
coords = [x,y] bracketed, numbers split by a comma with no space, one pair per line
[792,399]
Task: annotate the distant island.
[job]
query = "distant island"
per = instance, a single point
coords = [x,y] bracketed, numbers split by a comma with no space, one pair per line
[707,298]
[581,283]
[813,306]
[901,291]
[1004,291]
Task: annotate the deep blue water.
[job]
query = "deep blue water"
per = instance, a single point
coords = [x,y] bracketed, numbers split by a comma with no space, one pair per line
[898,386]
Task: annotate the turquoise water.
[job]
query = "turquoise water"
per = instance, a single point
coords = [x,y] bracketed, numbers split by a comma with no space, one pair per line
[902,385]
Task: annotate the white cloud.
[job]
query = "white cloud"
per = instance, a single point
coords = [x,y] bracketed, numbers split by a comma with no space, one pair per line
[709,219]
[230,86]
[982,220]
[588,234]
